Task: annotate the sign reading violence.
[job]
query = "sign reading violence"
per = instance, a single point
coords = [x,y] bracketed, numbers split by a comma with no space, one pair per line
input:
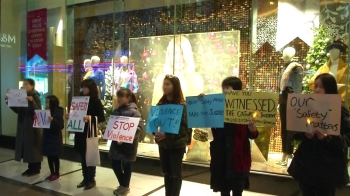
[165,118]
[242,106]
[17,98]
[41,119]
[206,111]
[78,110]
[121,129]
[314,112]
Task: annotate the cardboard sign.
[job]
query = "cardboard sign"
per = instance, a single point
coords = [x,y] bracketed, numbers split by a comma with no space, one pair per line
[240,107]
[17,98]
[41,119]
[207,111]
[322,111]
[121,129]
[78,110]
[165,118]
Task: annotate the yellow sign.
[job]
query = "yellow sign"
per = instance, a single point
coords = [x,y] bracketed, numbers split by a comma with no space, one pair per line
[242,106]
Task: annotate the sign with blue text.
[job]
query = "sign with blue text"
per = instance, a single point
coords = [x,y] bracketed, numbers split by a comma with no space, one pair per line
[165,118]
[206,111]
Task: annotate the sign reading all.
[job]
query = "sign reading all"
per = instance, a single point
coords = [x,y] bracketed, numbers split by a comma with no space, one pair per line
[78,110]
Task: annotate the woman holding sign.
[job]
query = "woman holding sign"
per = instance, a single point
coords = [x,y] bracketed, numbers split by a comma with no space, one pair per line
[95,109]
[172,147]
[320,163]
[28,139]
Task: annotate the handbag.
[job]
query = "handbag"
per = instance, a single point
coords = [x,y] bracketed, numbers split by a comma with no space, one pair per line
[92,151]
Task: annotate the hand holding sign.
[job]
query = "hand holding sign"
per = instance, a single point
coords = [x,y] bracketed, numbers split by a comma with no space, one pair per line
[17,98]
[42,119]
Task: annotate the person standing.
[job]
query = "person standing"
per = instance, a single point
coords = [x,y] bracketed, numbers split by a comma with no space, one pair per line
[28,138]
[52,137]
[95,109]
[172,147]
[320,163]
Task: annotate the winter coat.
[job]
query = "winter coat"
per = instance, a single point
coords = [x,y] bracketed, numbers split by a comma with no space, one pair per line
[180,140]
[322,162]
[223,176]
[95,109]
[126,151]
[28,139]
[52,137]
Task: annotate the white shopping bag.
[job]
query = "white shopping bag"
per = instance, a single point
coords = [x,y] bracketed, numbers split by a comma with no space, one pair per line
[92,151]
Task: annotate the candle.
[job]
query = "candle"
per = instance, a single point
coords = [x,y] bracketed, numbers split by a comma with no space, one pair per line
[66,110]
[255,114]
[308,123]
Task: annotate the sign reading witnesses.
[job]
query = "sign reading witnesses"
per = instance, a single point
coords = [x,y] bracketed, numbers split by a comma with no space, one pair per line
[206,111]
[78,110]
[322,111]
[41,119]
[17,98]
[121,129]
[240,107]
[165,118]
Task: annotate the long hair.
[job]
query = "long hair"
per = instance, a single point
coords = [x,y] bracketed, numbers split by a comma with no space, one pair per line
[54,103]
[125,92]
[178,96]
[328,82]
[92,86]
[31,82]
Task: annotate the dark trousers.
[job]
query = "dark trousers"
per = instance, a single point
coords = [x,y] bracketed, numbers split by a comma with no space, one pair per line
[287,136]
[34,167]
[88,172]
[54,164]
[122,169]
[171,162]
[308,190]
[234,193]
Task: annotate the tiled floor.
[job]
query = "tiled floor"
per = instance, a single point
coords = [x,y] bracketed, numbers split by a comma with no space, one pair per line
[141,185]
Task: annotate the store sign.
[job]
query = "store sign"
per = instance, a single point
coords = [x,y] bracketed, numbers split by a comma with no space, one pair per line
[36,33]
[7,40]
[121,129]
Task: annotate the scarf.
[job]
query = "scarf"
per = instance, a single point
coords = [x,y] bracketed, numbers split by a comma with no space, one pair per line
[286,74]
[241,152]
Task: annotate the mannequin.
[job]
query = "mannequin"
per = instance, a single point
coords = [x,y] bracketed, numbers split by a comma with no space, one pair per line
[290,82]
[335,66]
[180,63]
[99,76]
[125,76]
[89,72]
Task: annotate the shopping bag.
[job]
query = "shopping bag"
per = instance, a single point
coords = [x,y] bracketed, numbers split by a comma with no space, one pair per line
[92,151]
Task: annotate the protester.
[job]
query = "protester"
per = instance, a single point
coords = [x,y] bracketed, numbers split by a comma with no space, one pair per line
[320,163]
[123,154]
[230,151]
[52,137]
[173,146]
[28,138]
[95,109]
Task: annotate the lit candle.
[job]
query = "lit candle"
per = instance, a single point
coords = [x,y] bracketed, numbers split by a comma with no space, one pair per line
[308,123]
[255,114]
[66,110]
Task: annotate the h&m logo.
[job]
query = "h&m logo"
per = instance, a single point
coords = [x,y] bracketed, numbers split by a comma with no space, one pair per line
[7,38]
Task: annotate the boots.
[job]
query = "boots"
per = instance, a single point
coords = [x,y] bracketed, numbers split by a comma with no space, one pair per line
[172,185]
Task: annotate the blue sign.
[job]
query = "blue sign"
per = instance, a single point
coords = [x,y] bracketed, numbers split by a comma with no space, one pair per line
[165,117]
[206,111]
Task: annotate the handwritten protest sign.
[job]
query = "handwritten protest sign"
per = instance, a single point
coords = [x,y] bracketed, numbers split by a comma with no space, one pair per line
[17,98]
[206,111]
[323,112]
[78,110]
[165,118]
[41,119]
[241,105]
[121,129]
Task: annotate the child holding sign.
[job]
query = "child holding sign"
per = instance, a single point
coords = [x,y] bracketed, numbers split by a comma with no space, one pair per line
[319,163]
[52,138]
[230,173]
[123,154]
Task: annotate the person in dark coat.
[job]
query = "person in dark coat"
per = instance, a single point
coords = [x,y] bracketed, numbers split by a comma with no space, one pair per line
[28,139]
[95,109]
[230,151]
[320,163]
[172,147]
[123,154]
[52,137]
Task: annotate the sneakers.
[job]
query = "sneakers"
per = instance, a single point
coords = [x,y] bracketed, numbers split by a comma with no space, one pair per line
[116,191]
[49,177]
[121,191]
[52,177]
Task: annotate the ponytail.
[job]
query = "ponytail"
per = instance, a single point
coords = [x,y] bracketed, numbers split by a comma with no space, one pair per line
[133,98]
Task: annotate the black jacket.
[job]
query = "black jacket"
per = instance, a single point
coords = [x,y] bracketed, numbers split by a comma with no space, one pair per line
[322,163]
[180,140]
[126,151]
[52,138]
[95,108]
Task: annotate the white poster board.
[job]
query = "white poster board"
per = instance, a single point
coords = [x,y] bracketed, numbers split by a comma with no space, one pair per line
[78,110]
[17,98]
[121,129]
[322,110]
[41,119]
